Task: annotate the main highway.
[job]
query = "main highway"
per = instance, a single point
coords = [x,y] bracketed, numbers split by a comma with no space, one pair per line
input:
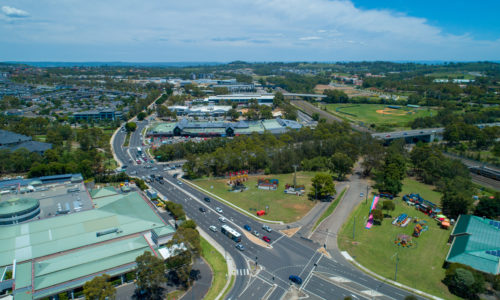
[261,272]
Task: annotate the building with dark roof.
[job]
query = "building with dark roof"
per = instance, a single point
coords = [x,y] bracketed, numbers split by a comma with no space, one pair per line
[476,243]
[97,115]
[212,129]
[14,141]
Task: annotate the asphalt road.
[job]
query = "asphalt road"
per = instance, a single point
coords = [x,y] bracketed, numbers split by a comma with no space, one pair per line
[287,255]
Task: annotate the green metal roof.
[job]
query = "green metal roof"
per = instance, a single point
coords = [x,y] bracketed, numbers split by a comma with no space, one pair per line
[271,124]
[23,275]
[163,127]
[166,230]
[104,192]
[473,237]
[87,261]
[16,205]
[129,213]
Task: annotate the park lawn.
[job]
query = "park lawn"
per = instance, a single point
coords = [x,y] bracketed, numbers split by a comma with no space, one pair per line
[411,186]
[419,267]
[282,207]
[218,266]
[367,114]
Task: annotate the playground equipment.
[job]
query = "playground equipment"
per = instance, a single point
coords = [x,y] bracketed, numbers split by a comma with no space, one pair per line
[404,240]
[386,195]
[402,220]
[268,184]
[369,224]
[419,228]
[237,177]
[423,205]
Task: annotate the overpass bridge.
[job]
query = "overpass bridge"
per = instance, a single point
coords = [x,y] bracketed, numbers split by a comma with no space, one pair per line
[416,135]
[294,96]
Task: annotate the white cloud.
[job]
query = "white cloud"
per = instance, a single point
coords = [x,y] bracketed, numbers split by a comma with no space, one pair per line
[221,30]
[14,12]
[310,38]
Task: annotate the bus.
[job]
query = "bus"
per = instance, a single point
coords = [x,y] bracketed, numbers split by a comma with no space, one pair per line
[139,150]
[231,233]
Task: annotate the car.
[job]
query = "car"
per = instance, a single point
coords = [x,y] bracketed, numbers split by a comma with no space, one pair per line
[219,210]
[206,199]
[130,161]
[213,228]
[256,233]
[240,247]
[222,219]
[388,136]
[154,169]
[266,228]
[247,227]
[133,172]
[202,209]
[175,175]
[361,194]
[421,132]
[179,183]
[138,162]
[266,239]
[405,133]
[296,279]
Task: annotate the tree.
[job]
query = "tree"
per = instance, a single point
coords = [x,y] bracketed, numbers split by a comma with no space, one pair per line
[489,207]
[378,215]
[388,205]
[341,164]
[130,126]
[322,186]
[315,116]
[464,283]
[141,116]
[278,99]
[265,112]
[233,114]
[221,90]
[150,273]
[189,224]
[99,288]
[457,197]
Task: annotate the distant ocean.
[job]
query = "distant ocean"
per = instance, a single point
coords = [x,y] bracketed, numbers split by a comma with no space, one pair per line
[196,63]
[112,64]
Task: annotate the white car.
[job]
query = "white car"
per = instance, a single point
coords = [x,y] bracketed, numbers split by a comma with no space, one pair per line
[222,219]
[219,210]
[266,228]
[213,228]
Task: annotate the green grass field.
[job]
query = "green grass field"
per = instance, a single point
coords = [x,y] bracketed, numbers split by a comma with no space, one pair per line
[419,267]
[218,266]
[367,114]
[282,207]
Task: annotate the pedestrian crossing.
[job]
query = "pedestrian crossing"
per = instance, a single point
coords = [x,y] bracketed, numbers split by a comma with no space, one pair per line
[242,272]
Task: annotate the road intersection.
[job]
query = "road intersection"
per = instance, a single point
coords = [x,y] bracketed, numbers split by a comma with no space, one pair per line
[262,273]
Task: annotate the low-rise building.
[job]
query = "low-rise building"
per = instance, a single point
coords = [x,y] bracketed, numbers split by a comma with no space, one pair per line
[98,115]
[14,141]
[476,243]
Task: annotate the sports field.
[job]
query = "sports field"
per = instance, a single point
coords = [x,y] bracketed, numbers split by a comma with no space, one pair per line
[379,114]
[280,206]
[419,266]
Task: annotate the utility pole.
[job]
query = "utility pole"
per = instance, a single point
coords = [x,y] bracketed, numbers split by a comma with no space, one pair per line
[366,196]
[354,228]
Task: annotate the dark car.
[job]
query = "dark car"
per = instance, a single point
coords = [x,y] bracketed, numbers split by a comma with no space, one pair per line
[296,279]
[247,227]
[207,199]
[266,239]
[202,209]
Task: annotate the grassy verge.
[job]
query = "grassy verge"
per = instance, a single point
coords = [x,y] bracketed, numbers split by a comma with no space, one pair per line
[420,266]
[218,266]
[230,285]
[127,140]
[280,206]
[330,209]
[175,295]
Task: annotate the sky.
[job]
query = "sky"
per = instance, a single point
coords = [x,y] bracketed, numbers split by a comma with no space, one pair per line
[250,30]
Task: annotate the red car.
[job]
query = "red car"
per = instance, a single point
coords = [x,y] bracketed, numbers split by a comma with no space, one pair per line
[138,162]
[266,239]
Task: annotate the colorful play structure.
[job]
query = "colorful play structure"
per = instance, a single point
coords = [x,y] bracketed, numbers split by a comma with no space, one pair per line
[402,220]
[421,204]
[428,208]
[369,224]
[236,180]
[298,190]
[268,184]
[404,240]
[420,227]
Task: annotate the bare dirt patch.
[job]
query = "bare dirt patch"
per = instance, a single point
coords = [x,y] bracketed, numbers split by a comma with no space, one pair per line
[389,111]
[256,240]
[290,232]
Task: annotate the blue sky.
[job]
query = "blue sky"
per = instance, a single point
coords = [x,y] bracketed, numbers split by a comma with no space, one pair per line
[251,30]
